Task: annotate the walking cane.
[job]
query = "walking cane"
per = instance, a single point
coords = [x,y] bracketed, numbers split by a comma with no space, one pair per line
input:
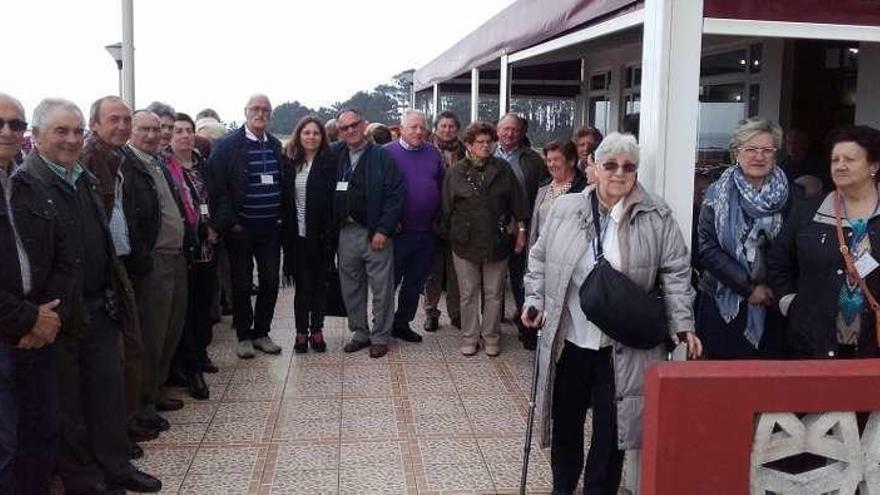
[527,447]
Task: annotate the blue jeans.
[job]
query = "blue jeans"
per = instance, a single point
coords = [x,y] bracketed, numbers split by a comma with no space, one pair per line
[28,412]
[413,256]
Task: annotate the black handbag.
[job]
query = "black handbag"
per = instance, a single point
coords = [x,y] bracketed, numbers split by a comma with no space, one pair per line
[334,304]
[617,305]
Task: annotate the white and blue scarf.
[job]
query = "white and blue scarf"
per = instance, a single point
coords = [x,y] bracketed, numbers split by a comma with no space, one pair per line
[741,214]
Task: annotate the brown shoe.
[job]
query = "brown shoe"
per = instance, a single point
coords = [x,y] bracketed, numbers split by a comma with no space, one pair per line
[354,346]
[378,350]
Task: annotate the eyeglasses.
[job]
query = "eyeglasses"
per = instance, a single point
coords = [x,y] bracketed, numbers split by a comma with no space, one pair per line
[613,167]
[346,128]
[259,109]
[15,125]
[752,152]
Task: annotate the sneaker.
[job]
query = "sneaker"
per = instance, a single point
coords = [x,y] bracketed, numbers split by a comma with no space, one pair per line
[406,333]
[493,350]
[469,349]
[301,345]
[266,345]
[316,340]
[245,349]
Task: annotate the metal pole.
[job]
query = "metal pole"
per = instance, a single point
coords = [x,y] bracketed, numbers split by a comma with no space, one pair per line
[503,87]
[119,72]
[128,52]
[475,94]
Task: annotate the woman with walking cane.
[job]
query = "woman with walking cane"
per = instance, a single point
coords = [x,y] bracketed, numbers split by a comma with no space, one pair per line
[596,344]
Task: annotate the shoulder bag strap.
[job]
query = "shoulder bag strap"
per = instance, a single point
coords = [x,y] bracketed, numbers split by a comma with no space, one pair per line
[597,224]
[851,272]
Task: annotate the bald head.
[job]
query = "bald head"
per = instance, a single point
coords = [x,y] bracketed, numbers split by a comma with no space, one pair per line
[12,132]
[258,111]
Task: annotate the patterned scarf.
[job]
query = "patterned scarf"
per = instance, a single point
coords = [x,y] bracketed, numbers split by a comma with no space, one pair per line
[176,169]
[742,213]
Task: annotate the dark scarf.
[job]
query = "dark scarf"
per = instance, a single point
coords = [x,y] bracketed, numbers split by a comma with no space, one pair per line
[453,150]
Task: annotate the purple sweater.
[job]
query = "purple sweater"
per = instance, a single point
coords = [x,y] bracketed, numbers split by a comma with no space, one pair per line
[422,172]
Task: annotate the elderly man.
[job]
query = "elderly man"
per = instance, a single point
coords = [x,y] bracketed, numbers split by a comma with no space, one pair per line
[421,166]
[162,292]
[246,167]
[367,206]
[166,114]
[122,188]
[530,172]
[446,127]
[94,456]
[35,276]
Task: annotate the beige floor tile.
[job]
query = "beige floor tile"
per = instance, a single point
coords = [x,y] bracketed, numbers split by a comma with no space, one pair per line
[307,457]
[366,454]
[461,477]
[193,412]
[434,451]
[305,482]
[312,430]
[165,462]
[191,433]
[216,484]
[376,479]
[224,460]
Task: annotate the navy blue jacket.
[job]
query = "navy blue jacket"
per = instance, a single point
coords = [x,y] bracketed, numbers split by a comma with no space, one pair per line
[228,176]
[386,190]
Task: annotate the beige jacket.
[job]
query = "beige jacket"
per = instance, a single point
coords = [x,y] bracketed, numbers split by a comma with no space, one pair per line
[651,246]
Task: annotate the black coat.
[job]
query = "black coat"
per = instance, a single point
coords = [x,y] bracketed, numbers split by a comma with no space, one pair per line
[805,261]
[66,199]
[227,169]
[320,187]
[142,214]
[48,252]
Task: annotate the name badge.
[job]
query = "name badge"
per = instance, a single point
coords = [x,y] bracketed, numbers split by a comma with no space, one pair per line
[342,186]
[866,264]
[267,179]
[203,209]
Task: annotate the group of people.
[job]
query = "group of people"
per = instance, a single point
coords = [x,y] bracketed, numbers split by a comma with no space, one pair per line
[124,235]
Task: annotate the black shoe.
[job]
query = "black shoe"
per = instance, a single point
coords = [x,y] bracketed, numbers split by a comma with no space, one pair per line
[528,338]
[432,324]
[208,366]
[169,405]
[176,378]
[301,344]
[135,451]
[354,346]
[378,350]
[316,341]
[456,322]
[198,389]
[157,423]
[138,433]
[139,482]
[406,333]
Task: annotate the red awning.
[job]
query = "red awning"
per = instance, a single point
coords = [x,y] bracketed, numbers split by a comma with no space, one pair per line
[523,24]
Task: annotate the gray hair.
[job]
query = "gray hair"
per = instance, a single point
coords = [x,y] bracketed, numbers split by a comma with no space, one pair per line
[49,105]
[749,128]
[161,109]
[17,104]
[412,111]
[95,110]
[617,143]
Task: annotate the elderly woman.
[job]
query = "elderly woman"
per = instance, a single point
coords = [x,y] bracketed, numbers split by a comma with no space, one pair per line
[827,299]
[587,138]
[741,216]
[579,365]
[565,177]
[187,167]
[481,198]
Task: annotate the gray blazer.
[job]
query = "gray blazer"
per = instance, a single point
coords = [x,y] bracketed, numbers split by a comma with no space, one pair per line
[651,246]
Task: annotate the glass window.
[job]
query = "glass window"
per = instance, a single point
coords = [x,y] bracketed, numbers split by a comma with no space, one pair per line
[600,82]
[721,107]
[724,63]
[754,99]
[633,77]
[600,110]
[756,52]
[632,103]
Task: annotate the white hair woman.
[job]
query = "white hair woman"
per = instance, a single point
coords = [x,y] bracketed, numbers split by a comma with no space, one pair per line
[580,366]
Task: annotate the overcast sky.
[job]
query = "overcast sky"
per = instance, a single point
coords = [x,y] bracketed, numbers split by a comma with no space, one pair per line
[199,53]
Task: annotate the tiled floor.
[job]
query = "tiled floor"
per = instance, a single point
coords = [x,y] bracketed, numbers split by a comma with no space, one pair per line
[424,419]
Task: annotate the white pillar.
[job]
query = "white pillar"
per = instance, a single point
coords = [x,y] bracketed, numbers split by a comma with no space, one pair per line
[868,85]
[672,43]
[435,101]
[503,87]
[475,94]
[770,102]
[581,110]
[128,53]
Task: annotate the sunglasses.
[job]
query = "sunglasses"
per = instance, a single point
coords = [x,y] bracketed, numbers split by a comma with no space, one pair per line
[627,167]
[346,128]
[16,125]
